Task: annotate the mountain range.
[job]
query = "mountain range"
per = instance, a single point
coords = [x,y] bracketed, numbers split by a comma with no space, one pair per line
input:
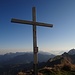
[49,64]
[23,57]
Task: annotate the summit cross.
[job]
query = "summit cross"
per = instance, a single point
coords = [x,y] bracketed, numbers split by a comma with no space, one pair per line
[34,24]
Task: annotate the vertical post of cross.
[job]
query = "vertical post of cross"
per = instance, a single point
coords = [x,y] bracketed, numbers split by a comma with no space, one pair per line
[35,48]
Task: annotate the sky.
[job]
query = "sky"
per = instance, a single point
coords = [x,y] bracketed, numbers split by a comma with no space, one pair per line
[16,37]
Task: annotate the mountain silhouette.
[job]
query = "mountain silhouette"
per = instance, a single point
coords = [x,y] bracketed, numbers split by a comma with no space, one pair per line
[23,58]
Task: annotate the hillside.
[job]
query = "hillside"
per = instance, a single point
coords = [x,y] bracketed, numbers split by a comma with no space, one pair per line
[57,65]
[60,65]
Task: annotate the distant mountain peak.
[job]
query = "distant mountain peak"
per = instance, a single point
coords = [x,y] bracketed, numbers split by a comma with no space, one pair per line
[72,51]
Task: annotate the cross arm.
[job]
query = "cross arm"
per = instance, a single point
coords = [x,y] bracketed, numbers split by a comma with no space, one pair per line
[31,22]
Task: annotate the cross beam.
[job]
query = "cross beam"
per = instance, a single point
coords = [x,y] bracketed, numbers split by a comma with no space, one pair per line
[34,24]
[30,22]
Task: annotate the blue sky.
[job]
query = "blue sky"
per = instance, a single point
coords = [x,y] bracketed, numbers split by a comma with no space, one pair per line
[18,37]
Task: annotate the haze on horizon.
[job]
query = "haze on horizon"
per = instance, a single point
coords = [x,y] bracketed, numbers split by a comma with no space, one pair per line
[18,37]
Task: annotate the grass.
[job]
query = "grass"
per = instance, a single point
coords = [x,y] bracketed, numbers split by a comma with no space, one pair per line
[60,72]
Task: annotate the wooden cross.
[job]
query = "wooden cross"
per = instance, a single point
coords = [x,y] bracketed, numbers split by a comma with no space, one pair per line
[34,24]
